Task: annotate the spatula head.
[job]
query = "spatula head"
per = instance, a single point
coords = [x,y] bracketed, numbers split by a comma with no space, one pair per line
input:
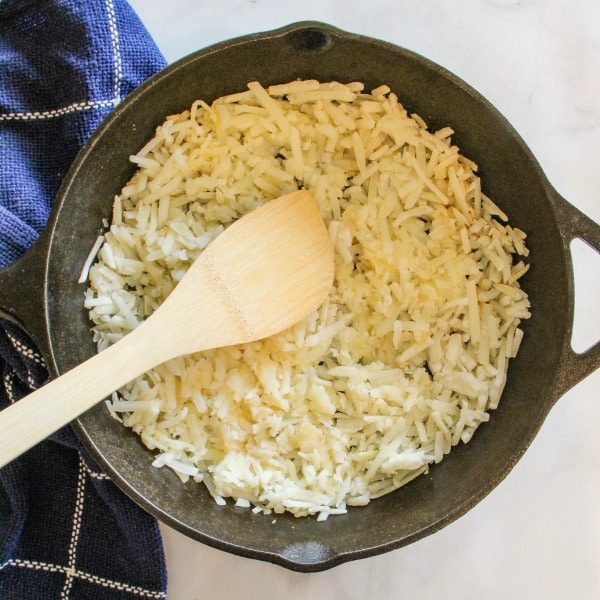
[265,272]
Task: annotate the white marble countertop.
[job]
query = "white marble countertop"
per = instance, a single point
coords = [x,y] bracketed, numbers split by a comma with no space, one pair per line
[537,535]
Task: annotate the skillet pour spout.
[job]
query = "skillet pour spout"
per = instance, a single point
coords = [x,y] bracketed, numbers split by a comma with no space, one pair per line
[545,368]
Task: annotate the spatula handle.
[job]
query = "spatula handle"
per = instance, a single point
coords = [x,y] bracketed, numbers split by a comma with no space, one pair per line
[41,413]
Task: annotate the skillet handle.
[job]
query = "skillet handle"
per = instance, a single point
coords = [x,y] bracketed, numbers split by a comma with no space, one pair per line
[22,292]
[573,224]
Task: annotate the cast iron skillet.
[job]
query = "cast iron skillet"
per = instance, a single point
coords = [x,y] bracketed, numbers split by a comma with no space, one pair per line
[41,292]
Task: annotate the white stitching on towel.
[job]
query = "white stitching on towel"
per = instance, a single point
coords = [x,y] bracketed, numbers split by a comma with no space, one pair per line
[25,350]
[108,583]
[57,112]
[72,552]
[95,475]
[9,387]
[114,38]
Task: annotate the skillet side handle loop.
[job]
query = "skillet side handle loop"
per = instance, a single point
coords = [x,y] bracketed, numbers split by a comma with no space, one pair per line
[573,224]
[22,293]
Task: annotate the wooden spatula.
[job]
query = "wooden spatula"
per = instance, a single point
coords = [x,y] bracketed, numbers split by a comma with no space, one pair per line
[265,272]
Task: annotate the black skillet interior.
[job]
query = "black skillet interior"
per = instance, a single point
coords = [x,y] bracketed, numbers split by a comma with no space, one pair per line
[510,176]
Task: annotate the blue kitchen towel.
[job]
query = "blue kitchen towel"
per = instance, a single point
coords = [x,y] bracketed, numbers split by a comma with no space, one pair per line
[66,531]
